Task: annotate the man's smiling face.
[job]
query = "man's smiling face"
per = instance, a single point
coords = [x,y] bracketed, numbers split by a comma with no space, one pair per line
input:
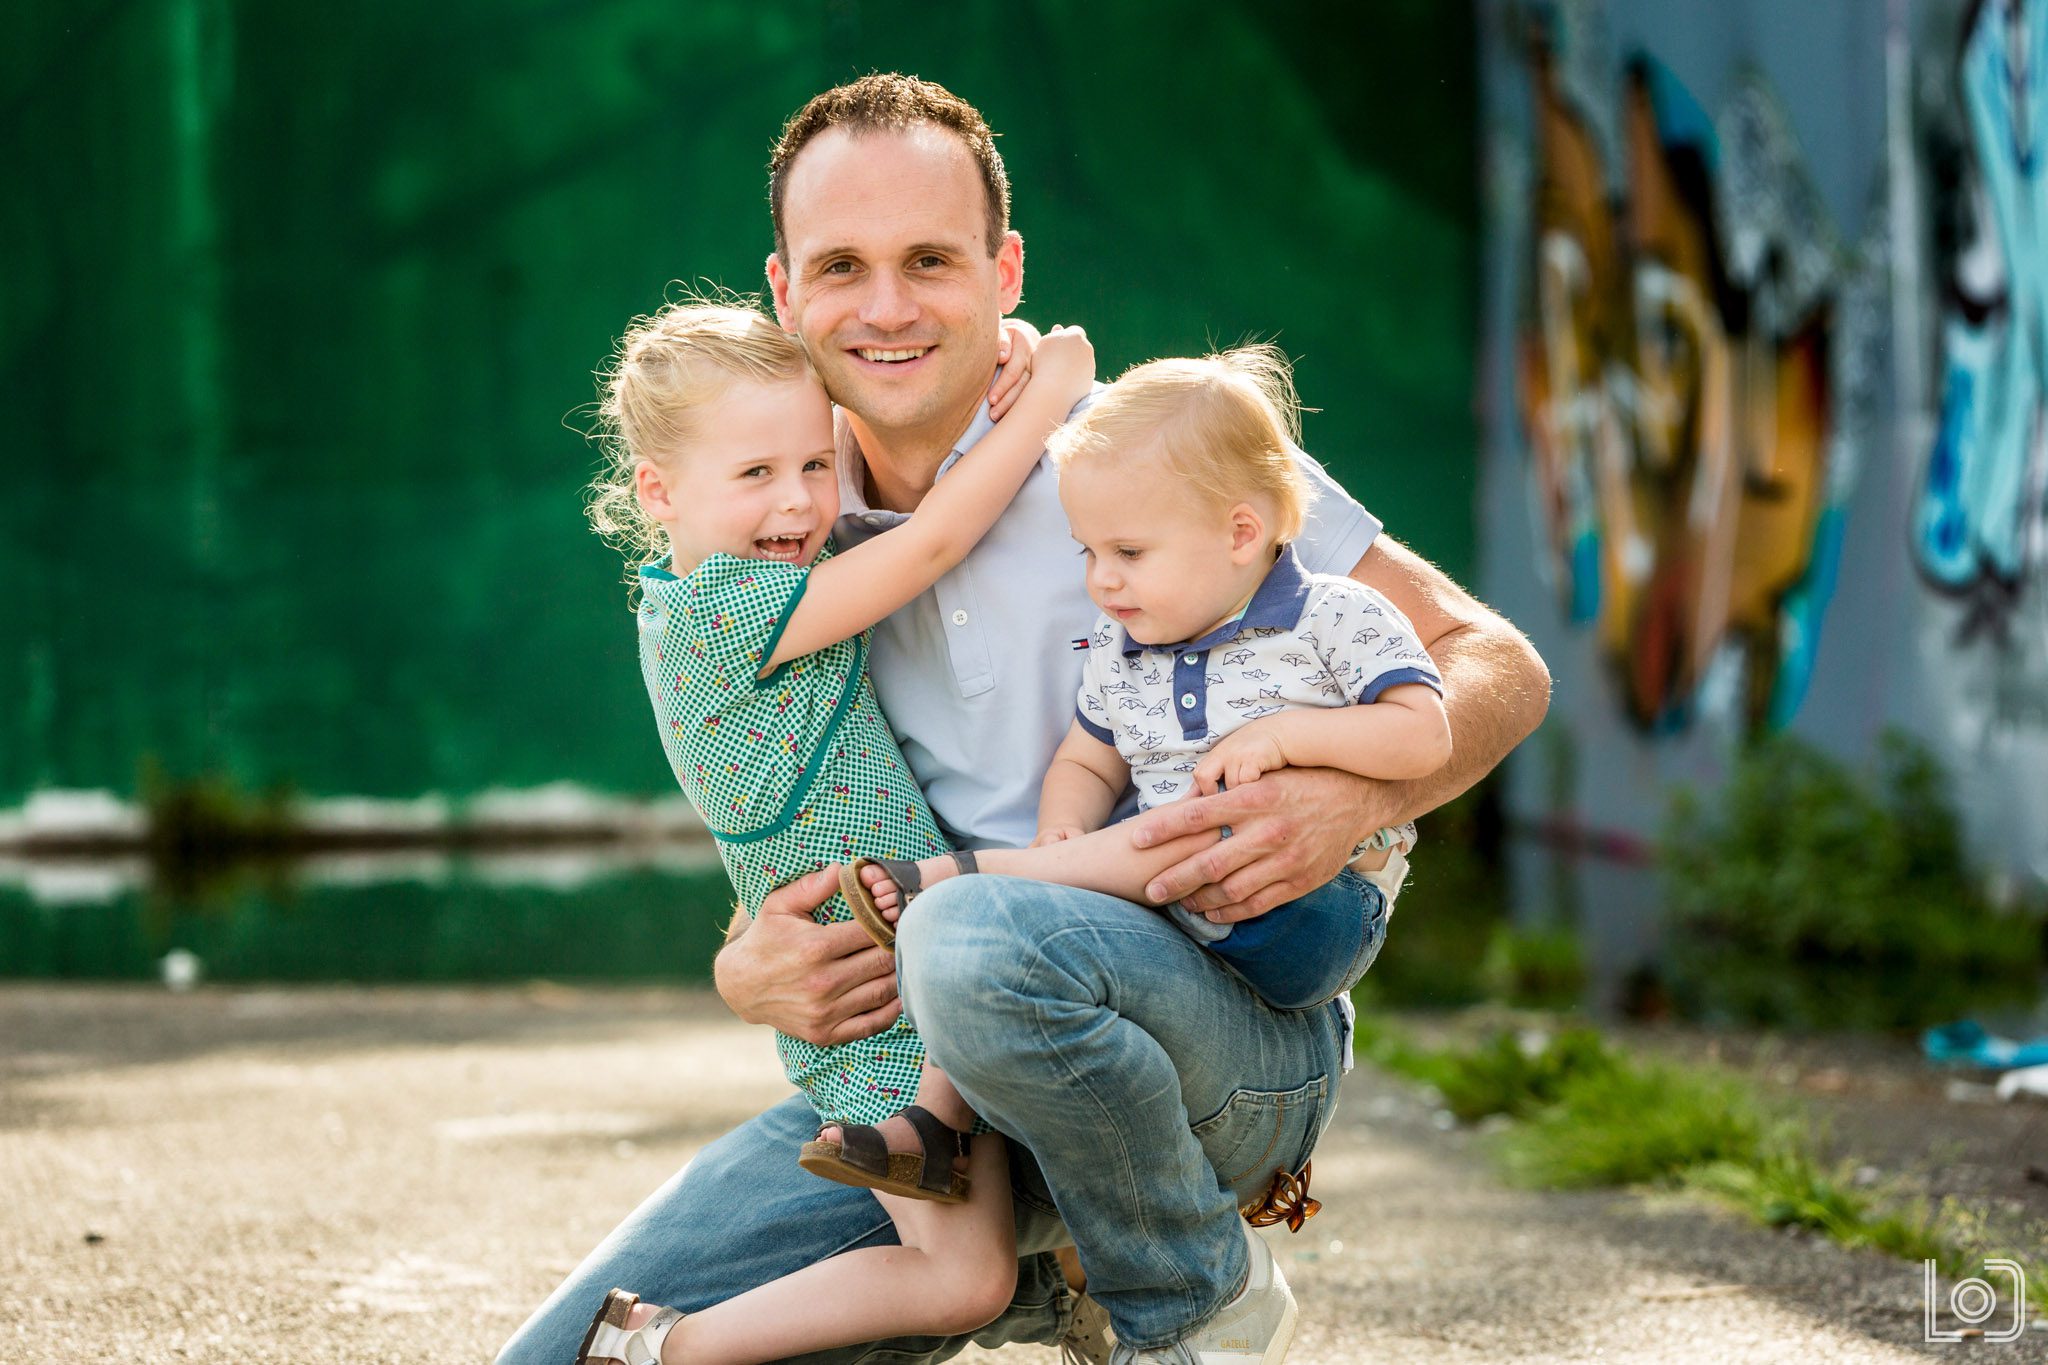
[889,280]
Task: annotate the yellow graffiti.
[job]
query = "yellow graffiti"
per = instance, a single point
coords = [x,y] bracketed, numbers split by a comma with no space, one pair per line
[1679,443]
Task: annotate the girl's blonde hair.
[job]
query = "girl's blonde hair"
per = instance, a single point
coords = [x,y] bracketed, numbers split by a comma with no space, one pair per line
[1225,424]
[662,373]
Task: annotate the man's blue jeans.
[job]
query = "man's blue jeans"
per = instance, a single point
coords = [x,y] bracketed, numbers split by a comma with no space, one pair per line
[1155,1093]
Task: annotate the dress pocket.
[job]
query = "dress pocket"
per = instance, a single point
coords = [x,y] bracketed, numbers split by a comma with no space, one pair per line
[1258,1132]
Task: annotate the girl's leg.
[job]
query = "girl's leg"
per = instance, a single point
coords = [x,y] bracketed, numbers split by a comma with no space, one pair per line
[954,1273]
[1295,956]
[1104,860]
[937,1095]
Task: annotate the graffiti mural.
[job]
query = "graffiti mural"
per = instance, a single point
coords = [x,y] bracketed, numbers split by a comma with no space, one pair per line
[1684,384]
[1978,524]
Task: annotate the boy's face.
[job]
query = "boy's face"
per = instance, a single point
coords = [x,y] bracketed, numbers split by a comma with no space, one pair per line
[1165,562]
[889,281]
[760,482]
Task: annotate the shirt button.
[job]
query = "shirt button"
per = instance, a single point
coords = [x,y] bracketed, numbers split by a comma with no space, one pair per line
[1187,699]
[959,618]
[1190,658]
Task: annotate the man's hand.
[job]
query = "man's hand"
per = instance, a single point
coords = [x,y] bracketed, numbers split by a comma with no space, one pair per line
[1290,831]
[823,983]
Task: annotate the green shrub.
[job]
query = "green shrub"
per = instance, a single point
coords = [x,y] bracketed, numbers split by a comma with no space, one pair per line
[1541,969]
[205,835]
[1805,894]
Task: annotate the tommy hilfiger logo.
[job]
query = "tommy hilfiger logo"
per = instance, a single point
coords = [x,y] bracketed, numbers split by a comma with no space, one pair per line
[1079,644]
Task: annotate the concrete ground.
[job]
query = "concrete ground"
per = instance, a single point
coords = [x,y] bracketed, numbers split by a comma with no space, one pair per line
[399,1175]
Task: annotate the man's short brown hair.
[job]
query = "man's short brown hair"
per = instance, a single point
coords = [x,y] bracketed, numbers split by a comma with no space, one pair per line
[890,101]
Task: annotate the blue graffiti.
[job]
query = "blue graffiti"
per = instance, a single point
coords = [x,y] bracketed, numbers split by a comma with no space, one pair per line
[1970,524]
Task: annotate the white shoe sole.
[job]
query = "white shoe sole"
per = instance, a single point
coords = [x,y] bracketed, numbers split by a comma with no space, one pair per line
[1283,1337]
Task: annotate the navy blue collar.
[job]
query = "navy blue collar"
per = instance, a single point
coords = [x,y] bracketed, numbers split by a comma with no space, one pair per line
[1279,601]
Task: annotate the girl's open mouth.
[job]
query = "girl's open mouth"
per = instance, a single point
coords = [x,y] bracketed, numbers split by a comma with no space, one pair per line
[789,549]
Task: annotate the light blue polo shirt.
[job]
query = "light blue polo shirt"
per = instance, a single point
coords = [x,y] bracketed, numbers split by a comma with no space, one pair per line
[977,676]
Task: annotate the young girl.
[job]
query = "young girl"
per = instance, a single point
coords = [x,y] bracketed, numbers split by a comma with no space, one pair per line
[753,643]
[1216,660]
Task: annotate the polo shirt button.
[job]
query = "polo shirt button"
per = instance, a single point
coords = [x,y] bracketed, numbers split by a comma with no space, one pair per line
[959,618]
[1187,699]
[1190,659]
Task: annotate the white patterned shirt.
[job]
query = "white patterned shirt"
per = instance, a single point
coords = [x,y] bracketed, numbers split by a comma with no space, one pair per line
[1303,640]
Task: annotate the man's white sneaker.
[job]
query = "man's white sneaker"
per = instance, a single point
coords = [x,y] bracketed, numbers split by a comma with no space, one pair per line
[1089,1339]
[1256,1326]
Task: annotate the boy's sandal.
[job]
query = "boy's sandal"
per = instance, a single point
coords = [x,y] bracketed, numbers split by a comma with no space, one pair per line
[608,1342]
[862,1157]
[909,882]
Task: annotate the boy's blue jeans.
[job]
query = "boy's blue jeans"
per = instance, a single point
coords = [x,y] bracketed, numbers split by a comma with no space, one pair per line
[1154,1090]
[1308,951]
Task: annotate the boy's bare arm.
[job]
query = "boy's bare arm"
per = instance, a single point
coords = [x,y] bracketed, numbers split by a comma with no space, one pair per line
[1081,786]
[1496,687]
[1402,734]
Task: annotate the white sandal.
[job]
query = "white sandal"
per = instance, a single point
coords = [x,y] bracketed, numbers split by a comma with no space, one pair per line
[608,1339]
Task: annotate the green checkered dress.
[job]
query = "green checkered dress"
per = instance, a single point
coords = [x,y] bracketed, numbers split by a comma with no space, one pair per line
[792,772]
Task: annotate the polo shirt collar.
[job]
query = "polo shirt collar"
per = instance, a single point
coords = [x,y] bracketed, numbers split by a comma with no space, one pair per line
[853,466]
[1280,600]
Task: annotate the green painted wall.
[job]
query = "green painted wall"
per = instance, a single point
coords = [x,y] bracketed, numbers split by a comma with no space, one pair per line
[302,303]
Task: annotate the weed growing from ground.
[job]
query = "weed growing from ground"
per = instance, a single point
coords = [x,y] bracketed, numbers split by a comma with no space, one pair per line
[1584,1114]
[1632,1124]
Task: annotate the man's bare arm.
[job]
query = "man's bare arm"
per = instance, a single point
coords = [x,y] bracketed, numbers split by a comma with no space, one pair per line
[1496,688]
[1293,829]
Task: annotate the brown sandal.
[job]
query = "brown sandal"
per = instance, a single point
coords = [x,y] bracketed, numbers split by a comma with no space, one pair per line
[862,1157]
[909,883]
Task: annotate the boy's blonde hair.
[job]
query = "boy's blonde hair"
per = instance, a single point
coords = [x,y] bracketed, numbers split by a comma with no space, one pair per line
[1226,424]
[662,373]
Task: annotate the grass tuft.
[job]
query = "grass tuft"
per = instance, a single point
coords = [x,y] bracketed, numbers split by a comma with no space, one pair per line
[1514,1073]
[1585,1114]
[1635,1123]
